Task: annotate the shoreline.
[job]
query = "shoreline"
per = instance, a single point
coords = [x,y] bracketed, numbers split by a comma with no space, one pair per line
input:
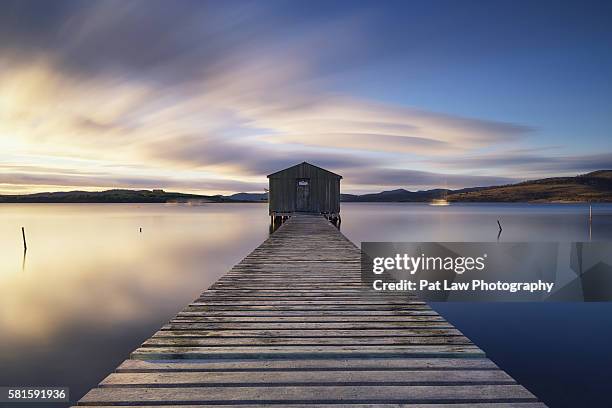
[198,202]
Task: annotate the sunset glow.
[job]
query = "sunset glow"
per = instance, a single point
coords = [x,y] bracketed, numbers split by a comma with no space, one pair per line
[200,98]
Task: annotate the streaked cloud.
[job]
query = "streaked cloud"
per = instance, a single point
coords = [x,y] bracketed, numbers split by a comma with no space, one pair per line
[535,163]
[202,96]
[18,180]
[244,156]
[423,179]
[351,123]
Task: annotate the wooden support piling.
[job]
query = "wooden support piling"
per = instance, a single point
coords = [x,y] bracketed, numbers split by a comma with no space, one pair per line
[25,244]
[292,325]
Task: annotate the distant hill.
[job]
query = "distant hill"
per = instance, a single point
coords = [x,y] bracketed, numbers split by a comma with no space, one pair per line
[402,195]
[595,187]
[110,196]
[249,197]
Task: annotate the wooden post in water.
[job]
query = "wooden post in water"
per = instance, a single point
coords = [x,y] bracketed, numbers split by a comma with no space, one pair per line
[25,245]
[590,221]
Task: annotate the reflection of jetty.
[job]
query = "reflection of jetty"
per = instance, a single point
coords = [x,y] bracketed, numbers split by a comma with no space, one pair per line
[293,325]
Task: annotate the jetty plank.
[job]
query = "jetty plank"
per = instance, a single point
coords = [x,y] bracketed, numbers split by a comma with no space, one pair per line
[357,364]
[385,405]
[311,394]
[195,379]
[309,333]
[292,325]
[195,318]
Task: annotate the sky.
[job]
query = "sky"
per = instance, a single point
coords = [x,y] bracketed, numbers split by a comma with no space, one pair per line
[211,96]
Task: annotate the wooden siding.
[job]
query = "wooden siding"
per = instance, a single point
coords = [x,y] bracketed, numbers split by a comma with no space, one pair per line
[324,189]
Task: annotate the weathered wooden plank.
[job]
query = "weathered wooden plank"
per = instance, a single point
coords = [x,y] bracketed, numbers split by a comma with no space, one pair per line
[309,333]
[339,364]
[374,325]
[290,286]
[313,394]
[352,278]
[207,317]
[301,302]
[368,314]
[388,377]
[204,318]
[240,290]
[327,313]
[308,307]
[348,405]
[261,341]
[326,295]
[311,352]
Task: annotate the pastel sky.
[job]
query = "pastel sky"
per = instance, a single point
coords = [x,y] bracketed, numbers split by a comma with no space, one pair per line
[210,96]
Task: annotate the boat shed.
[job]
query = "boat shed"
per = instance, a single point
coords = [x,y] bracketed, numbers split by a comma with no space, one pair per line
[304,188]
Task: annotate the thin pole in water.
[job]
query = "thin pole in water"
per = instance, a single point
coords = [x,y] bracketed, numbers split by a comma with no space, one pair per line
[25,245]
[590,221]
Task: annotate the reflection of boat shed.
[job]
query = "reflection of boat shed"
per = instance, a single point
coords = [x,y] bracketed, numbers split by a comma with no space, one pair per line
[304,188]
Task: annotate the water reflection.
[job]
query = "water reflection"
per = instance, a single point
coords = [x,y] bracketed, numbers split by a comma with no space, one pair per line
[475,222]
[25,251]
[80,255]
[96,280]
[114,272]
[548,347]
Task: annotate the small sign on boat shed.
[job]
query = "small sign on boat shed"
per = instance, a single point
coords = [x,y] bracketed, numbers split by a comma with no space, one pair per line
[304,188]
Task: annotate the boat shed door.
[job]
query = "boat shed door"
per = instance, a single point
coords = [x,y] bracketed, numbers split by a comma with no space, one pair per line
[302,194]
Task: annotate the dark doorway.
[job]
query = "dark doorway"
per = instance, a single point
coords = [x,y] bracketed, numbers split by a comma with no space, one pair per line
[302,195]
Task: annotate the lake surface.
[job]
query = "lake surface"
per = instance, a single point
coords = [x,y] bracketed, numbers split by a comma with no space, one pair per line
[92,285]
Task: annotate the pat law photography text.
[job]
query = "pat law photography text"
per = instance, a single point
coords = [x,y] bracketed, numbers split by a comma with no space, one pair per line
[407,264]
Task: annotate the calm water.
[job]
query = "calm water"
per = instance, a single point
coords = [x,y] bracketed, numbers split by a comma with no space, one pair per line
[92,287]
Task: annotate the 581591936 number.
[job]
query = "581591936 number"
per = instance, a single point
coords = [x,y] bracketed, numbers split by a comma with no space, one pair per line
[33,394]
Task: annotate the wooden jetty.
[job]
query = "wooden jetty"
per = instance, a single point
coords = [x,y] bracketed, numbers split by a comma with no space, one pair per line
[293,326]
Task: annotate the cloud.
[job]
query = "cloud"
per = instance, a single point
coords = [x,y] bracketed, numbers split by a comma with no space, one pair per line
[205,97]
[74,179]
[344,122]
[533,162]
[179,43]
[246,156]
[413,179]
